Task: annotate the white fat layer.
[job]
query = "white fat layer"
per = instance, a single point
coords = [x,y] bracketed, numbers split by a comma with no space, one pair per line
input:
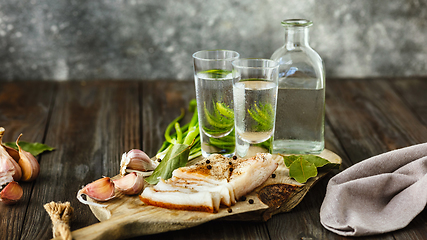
[198,189]
[251,173]
[224,189]
[180,198]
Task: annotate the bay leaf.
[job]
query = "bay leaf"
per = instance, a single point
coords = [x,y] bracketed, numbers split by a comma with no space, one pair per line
[301,170]
[316,160]
[33,148]
[176,157]
[290,159]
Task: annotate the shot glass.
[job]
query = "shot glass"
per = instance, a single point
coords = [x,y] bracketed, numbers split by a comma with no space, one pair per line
[214,93]
[255,98]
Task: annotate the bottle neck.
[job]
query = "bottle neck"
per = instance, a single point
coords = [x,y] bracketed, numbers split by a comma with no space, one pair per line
[296,37]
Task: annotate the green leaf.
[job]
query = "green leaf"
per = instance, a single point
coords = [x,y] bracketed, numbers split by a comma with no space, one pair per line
[34,148]
[329,166]
[260,113]
[225,110]
[316,160]
[221,123]
[321,163]
[217,73]
[290,159]
[301,170]
[176,157]
[192,106]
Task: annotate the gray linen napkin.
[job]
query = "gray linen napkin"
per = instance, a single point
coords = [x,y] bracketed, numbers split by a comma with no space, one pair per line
[380,194]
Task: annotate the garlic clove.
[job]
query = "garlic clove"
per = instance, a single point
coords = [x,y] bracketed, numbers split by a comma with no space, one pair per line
[138,160]
[9,168]
[130,184]
[100,190]
[12,152]
[11,193]
[29,165]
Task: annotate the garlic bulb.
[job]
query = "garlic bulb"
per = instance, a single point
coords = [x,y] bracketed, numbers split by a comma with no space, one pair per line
[131,184]
[9,168]
[137,160]
[11,193]
[99,190]
[29,165]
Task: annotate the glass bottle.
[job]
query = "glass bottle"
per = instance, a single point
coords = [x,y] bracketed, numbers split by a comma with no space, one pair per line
[300,114]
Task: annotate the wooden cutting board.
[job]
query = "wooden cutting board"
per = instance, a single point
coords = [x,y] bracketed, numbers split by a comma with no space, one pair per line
[126,216]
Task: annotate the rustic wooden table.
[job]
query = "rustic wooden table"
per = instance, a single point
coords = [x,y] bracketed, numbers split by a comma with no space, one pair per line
[91,124]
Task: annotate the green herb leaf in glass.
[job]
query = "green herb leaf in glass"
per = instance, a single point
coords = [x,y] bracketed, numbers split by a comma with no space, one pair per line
[221,119]
[262,113]
[216,73]
[225,110]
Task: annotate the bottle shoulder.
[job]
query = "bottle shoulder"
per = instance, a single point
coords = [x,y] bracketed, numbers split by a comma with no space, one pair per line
[284,52]
[302,67]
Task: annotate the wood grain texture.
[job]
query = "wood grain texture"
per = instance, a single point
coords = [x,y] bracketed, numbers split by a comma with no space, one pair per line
[90,128]
[91,124]
[371,118]
[414,93]
[24,108]
[162,102]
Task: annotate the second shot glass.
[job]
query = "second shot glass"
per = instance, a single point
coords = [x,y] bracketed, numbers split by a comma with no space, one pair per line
[255,97]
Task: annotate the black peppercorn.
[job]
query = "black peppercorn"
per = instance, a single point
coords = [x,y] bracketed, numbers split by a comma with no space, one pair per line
[209,167]
[207,161]
[229,210]
[234,157]
[243,198]
[159,160]
[251,201]
[231,169]
[273,175]
[230,163]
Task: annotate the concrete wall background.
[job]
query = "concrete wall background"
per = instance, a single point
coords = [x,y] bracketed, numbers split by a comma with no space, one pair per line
[154,39]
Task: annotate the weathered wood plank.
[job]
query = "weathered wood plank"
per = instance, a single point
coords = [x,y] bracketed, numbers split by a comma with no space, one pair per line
[24,108]
[414,92]
[91,125]
[162,102]
[370,118]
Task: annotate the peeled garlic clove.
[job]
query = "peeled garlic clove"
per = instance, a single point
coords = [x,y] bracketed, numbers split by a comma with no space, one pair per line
[11,193]
[138,160]
[130,184]
[9,168]
[29,165]
[100,190]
